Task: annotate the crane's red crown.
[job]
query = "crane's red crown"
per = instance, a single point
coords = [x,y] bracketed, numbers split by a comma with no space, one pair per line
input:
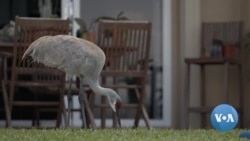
[118,105]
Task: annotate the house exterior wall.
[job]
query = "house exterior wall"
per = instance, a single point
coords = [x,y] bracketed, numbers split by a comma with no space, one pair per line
[220,10]
[210,11]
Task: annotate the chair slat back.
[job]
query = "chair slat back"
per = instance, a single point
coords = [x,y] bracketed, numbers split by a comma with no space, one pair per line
[126,44]
[226,32]
[28,30]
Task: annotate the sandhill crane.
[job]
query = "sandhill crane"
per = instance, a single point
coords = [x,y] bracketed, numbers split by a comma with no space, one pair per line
[75,57]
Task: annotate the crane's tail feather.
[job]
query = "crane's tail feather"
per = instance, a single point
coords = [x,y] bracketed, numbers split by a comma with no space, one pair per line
[31,62]
[26,53]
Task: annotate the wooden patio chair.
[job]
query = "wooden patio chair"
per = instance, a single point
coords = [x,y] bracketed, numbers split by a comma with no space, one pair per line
[4,62]
[31,75]
[126,45]
[228,36]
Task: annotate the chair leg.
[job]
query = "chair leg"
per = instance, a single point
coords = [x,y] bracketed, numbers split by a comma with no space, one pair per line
[92,101]
[141,110]
[114,117]
[186,98]
[103,112]
[60,110]
[103,108]
[70,103]
[203,95]
[6,105]
[64,114]
[89,113]
[88,122]
[137,117]
[241,99]
[37,117]
[138,111]
[146,117]
[91,105]
[115,120]
[144,111]
[226,91]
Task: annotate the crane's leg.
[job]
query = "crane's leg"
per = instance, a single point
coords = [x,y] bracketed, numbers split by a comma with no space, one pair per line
[82,104]
[70,103]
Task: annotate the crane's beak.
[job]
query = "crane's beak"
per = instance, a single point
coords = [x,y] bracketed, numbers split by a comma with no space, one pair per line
[115,108]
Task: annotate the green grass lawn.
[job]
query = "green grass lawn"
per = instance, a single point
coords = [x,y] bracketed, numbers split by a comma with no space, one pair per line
[117,135]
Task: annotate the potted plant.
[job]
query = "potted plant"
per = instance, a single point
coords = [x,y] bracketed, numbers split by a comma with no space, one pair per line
[120,17]
[117,35]
[84,32]
[7,32]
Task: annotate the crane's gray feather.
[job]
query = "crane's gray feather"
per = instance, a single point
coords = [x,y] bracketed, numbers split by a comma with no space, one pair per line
[67,53]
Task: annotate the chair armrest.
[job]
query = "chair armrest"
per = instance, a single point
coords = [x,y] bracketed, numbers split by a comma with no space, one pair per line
[150,60]
[5,54]
[144,61]
[141,62]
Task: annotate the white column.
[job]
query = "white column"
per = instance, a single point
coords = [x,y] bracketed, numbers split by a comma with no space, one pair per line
[167,61]
[73,9]
[64,9]
[190,47]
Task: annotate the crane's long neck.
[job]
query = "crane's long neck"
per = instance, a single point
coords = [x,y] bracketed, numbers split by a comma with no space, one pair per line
[97,88]
[113,98]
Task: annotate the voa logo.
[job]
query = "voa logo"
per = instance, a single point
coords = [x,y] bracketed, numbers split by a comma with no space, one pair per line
[224,117]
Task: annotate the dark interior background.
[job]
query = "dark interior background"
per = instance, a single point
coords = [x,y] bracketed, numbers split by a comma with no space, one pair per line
[28,8]
[25,8]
